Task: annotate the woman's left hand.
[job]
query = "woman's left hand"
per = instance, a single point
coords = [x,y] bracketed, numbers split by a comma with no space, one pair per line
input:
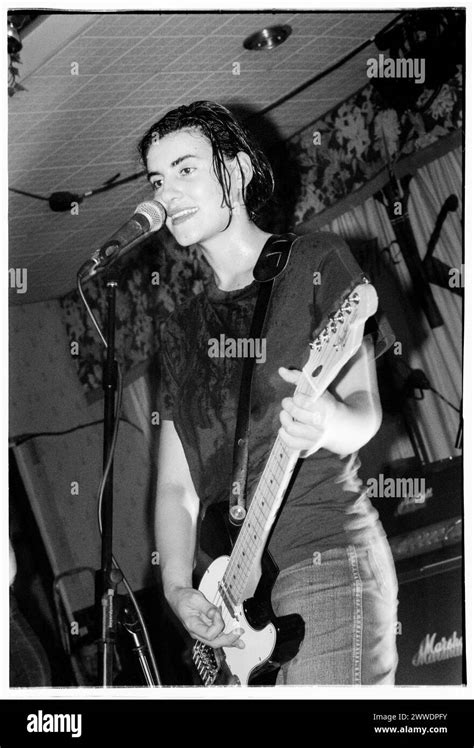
[306,423]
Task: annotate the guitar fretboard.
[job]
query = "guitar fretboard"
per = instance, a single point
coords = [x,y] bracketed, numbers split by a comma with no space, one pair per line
[256,527]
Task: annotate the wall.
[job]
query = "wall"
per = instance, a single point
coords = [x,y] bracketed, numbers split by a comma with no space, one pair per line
[61,472]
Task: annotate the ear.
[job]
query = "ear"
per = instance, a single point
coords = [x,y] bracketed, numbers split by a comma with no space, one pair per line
[243,165]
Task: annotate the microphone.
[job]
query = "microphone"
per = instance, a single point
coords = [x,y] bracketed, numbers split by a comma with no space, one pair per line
[148,217]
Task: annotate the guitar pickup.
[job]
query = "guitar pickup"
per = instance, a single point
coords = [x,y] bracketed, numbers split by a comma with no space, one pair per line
[225,595]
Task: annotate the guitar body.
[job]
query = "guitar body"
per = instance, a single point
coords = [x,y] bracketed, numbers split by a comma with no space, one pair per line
[234,665]
[269,641]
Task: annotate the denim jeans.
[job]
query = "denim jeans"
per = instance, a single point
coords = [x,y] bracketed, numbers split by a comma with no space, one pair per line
[347,598]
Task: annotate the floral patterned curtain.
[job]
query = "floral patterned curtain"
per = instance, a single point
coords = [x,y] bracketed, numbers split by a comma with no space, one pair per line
[158,277]
[347,147]
[336,155]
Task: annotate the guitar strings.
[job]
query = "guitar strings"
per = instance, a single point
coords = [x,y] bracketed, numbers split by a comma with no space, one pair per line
[245,560]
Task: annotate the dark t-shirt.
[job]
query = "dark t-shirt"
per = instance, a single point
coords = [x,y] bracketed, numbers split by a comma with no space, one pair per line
[324,507]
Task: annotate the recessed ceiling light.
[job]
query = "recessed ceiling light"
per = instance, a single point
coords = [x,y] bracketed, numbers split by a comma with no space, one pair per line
[268,38]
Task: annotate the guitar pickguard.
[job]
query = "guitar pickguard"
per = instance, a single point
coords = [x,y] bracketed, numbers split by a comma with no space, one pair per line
[259,644]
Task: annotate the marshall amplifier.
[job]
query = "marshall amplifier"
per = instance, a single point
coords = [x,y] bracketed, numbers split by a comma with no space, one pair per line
[439,535]
[409,496]
[430,629]
[421,510]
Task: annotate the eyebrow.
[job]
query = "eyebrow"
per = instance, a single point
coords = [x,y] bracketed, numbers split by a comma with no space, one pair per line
[173,163]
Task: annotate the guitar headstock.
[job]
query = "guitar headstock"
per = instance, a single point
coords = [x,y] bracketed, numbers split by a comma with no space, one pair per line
[338,341]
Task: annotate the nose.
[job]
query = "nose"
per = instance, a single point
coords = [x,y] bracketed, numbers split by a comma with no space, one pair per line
[170,193]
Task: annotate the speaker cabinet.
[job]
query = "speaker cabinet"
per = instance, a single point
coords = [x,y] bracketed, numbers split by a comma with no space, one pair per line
[430,616]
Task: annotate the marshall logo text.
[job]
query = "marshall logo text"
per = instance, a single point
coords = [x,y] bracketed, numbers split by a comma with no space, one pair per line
[431,651]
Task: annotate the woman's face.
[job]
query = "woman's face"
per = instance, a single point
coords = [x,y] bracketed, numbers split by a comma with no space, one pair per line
[181,173]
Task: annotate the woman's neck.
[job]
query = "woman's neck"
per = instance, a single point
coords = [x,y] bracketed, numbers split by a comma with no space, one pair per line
[232,255]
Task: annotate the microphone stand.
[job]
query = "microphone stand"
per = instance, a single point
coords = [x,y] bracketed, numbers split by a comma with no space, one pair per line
[417,380]
[131,623]
[148,217]
[108,577]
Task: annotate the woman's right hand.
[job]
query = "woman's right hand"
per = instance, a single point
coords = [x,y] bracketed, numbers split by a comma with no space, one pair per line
[201,619]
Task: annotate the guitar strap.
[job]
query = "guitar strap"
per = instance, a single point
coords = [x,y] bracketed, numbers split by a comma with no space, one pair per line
[271,263]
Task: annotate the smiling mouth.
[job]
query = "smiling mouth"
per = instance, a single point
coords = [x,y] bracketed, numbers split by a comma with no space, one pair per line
[183,215]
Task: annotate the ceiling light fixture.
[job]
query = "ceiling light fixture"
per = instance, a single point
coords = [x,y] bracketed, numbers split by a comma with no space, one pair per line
[268,38]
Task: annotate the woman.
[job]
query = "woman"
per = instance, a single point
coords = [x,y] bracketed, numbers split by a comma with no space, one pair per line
[335,568]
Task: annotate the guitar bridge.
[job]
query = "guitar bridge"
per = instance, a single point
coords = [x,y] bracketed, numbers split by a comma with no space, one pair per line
[204,658]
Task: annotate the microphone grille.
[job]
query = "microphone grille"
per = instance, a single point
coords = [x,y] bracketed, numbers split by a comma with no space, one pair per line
[154,212]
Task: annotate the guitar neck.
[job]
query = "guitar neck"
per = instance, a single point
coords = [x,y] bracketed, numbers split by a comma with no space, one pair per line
[266,501]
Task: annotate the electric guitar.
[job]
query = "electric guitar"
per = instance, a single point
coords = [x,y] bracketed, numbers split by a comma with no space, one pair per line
[234,583]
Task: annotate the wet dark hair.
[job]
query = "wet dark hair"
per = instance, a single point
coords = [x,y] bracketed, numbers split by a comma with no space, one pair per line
[227,137]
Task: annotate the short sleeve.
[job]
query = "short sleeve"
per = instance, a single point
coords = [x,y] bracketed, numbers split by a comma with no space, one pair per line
[339,271]
[380,330]
[337,274]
